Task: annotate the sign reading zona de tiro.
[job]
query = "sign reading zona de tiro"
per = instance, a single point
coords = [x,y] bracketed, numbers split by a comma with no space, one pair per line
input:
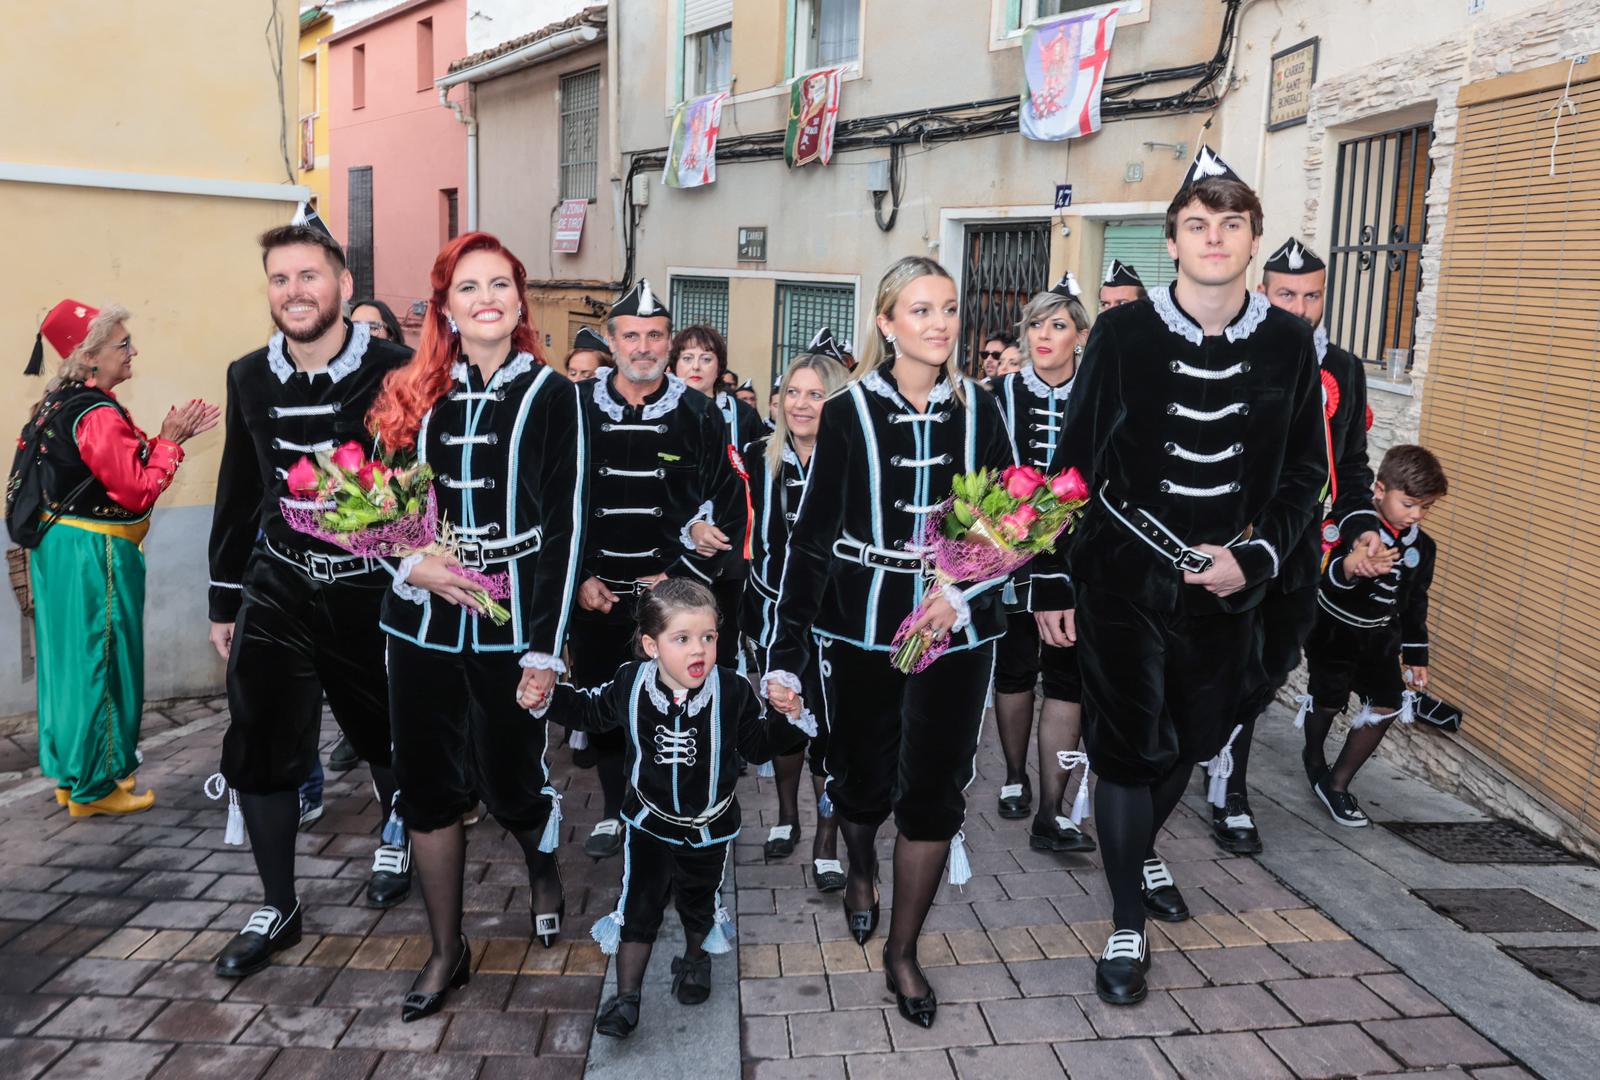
[569,226]
[1294,70]
[752,243]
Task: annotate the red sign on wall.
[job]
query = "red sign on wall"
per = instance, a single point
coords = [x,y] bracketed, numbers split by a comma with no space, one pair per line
[569,226]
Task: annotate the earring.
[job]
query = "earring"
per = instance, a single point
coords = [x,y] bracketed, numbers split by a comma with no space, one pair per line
[519,311]
[450,321]
[888,340]
[1077,350]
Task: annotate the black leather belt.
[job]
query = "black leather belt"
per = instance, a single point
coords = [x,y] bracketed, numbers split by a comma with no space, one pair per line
[852,550]
[320,567]
[1147,527]
[627,588]
[475,555]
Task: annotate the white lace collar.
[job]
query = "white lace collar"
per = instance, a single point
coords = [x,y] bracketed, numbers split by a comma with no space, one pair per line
[1255,311]
[343,364]
[665,704]
[1319,338]
[789,456]
[654,410]
[518,365]
[1039,388]
[878,384]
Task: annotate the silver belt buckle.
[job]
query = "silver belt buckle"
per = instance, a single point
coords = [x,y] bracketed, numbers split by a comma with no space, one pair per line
[469,553]
[1193,562]
[319,566]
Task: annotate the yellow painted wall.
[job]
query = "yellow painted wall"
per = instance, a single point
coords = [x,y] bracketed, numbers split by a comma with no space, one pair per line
[313,42]
[760,30]
[750,329]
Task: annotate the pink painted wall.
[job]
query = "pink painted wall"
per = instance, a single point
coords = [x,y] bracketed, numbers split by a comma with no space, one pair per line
[415,146]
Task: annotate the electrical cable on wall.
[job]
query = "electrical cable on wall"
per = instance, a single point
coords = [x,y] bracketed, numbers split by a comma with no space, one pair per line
[275,47]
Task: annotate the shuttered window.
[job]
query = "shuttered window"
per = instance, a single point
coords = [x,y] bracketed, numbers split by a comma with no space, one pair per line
[1143,246]
[701,15]
[1510,408]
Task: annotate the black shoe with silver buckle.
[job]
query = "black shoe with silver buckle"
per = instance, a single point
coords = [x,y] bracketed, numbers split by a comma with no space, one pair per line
[618,1016]
[691,978]
[1162,900]
[266,932]
[1016,800]
[344,756]
[390,882]
[605,839]
[1342,805]
[1058,834]
[828,874]
[780,841]
[1234,827]
[1119,974]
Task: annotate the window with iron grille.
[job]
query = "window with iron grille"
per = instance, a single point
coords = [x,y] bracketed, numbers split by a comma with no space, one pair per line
[452,213]
[803,308]
[1003,267]
[1380,219]
[700,301]
[358,249]
[580,134]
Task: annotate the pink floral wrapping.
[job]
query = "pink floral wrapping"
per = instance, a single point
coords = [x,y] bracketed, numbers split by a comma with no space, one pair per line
[403,536]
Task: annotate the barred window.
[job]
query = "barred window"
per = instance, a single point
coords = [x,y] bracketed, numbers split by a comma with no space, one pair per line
[580,134]
[700,301]
[358,249]
[803,308]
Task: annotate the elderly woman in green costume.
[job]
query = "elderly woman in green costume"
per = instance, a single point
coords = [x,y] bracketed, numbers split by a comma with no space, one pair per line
[100,476]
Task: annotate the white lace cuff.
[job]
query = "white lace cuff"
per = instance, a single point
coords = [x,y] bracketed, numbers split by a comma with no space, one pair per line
[542,662]
[704,514]
[806,722]
[402,572]
[782,678]
[957,600]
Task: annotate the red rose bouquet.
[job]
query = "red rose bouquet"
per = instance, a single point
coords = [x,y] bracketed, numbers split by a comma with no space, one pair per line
[378,509]
[990,527]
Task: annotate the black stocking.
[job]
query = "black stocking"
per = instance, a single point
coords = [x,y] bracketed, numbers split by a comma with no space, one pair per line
[1318,723]
[272,821]
[1013,718]
[861,884]
[825,841]
[1164,798]
[544,876]
[632,958]
[918,866]
[786,769]
[1060,724]
[1241,758]
[1358,747]
[1125,817]
[440,858]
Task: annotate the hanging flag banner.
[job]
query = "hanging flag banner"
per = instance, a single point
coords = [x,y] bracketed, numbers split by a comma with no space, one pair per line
[813,112]
[1064,67]
[692,159]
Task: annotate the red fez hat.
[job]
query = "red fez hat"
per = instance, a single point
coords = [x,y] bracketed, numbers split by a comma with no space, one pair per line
[65,328]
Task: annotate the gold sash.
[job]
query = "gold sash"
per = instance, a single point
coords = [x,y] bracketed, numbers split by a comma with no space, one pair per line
[126,530]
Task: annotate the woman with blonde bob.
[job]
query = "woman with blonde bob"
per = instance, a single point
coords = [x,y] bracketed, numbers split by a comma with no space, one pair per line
[778,462]
[888,447]
[99,476]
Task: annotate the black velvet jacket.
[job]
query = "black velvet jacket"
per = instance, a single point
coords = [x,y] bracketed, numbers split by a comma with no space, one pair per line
[1035,415]
[507,460]
[744,424]
[775,502]
[1396,599]
[653,471]
[1344,387]
[879,469]
[275,414]
[1219,438]
[680,754]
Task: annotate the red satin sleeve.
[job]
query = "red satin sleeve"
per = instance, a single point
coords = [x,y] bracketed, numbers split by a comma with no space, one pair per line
[114,451]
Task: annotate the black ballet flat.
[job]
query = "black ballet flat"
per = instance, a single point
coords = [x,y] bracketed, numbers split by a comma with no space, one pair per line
[919,1010]
[418,1004]
[618,1016]
[862,924]
[691,979]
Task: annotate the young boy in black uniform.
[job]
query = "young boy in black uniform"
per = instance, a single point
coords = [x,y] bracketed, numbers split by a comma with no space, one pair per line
[1363,622]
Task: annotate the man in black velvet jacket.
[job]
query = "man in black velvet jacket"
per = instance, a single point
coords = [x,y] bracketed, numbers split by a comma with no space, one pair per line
[1195,422]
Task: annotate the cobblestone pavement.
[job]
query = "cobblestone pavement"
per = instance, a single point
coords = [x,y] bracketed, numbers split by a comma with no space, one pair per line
[108,927]
[1259,984]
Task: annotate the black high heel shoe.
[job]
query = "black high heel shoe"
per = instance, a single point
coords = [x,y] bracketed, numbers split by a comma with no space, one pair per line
[863,924]
[919,1010]
[418,1004]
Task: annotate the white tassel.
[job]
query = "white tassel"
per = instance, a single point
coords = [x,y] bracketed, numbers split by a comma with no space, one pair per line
[578,740]
[1408,707]
[394,830]
[719,939]
[1220,768]
[607,931]
[1305,701]
[551,838]
[216,787]
[960,867]
[1365,718]
[1069,760]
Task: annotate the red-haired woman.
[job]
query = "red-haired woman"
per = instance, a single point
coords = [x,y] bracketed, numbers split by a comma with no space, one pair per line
[504,436]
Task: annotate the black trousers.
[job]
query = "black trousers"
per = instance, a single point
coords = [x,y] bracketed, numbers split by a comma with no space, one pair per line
[1160,689]
[459,735]
[655,872]
[295,640]
[1283,622]
[1021,657]
[902,744]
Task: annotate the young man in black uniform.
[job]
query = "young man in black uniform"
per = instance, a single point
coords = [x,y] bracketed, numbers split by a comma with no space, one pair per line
[1293,280]
[1194,421]
[664,501]
[296,618]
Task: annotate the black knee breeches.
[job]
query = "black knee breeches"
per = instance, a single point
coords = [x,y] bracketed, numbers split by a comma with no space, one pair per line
[655,872]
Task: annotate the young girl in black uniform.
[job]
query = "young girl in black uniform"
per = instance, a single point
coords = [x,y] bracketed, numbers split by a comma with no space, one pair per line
[777,465]
[682,718]
[887,450]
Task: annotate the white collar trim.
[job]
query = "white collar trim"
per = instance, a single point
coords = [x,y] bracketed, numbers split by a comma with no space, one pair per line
[1255,313]
[879,385]
[664,704]
[653,411]
[342,365]
[1040,388]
